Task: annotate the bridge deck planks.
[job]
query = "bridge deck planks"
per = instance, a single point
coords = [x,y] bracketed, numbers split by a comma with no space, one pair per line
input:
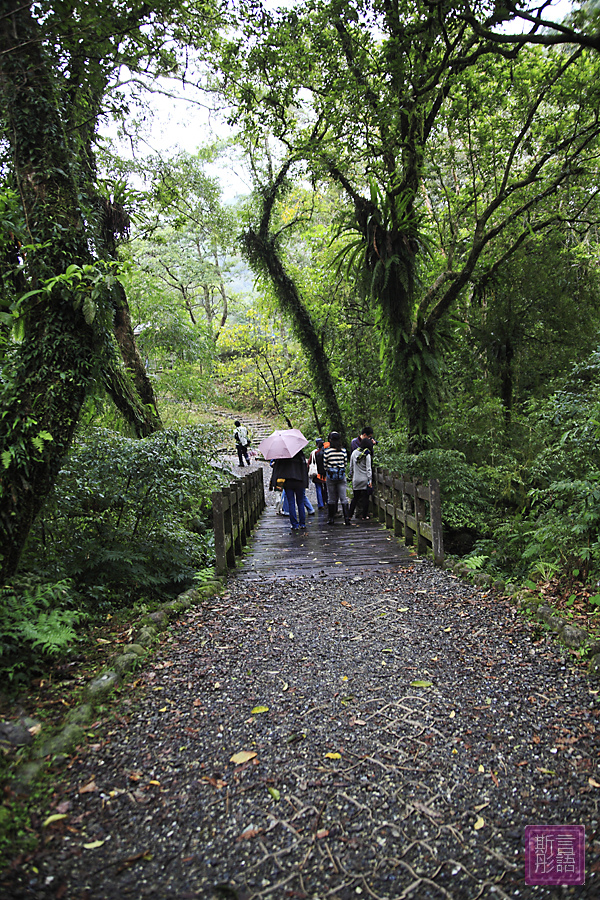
[275,552]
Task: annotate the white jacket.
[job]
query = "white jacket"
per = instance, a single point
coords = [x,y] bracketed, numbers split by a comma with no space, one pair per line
[361,469]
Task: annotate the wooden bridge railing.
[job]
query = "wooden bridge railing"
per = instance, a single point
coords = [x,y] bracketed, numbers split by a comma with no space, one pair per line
[236,509]
[412,509]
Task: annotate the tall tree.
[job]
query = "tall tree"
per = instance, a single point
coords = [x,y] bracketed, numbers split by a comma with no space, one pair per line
[262,245]
[56,63]
[361,90]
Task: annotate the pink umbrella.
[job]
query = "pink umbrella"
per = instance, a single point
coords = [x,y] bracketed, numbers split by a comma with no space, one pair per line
[282,444]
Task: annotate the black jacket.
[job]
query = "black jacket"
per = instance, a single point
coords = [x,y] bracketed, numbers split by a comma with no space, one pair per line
[290,470]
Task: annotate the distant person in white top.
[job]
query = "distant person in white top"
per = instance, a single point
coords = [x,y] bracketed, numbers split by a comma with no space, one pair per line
[241,442]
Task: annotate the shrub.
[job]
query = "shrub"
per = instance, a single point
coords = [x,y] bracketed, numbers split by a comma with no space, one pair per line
[128,516]
[466,503]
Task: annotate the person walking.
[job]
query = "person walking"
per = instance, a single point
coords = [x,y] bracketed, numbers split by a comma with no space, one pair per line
[241,443]
[360,472]
[335,459]
[292,476]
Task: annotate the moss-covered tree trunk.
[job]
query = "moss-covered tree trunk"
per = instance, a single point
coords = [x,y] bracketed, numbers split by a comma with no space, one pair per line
[262,252]
[48,374]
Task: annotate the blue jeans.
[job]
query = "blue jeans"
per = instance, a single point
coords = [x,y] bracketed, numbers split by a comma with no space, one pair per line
[321,495]
[295,496]
[285,506]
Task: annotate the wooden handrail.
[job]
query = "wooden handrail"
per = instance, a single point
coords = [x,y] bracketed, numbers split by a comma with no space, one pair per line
[236,509]
[400,502]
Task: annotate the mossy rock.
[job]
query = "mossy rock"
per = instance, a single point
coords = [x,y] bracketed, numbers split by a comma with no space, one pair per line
[594,666]
[80,715]
[125,662]
[526,598]
[62,742]
[208,589]
[146,636]
[573,636]
[101,686]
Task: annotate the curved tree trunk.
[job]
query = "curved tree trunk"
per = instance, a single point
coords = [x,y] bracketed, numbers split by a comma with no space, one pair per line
[143,416]
[261,249]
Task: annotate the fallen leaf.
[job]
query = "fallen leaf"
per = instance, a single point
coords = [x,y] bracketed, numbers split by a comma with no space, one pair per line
[323,833]
[333,756]
[248,833]
[402,609]
[94,845]
[242,757]
[593,783]
[259,709]
[163,709]
[479,823]
[57,817]
[154,782]
[422,684]
[482,806]
[348,605]
[89,787]
[274,793]
[494,779]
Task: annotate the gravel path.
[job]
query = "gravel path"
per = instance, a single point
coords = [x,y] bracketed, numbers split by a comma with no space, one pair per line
[399,732]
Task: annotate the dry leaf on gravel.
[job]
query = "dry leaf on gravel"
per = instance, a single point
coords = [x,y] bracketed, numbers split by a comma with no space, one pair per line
[242,757]
[88,788]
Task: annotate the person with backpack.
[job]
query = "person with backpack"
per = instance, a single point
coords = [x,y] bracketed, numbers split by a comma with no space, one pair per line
[240,436]
[335,459]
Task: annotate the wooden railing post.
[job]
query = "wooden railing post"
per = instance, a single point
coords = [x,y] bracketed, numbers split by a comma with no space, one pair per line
[409,519]
[421,517]
[229,525]
[435,511]
[397,505]
[219,531]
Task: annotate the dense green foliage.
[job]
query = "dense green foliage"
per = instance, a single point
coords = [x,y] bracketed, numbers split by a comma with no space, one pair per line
[128,517]
[423,235]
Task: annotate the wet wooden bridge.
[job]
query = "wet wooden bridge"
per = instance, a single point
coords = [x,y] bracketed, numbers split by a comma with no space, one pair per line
[321,550]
